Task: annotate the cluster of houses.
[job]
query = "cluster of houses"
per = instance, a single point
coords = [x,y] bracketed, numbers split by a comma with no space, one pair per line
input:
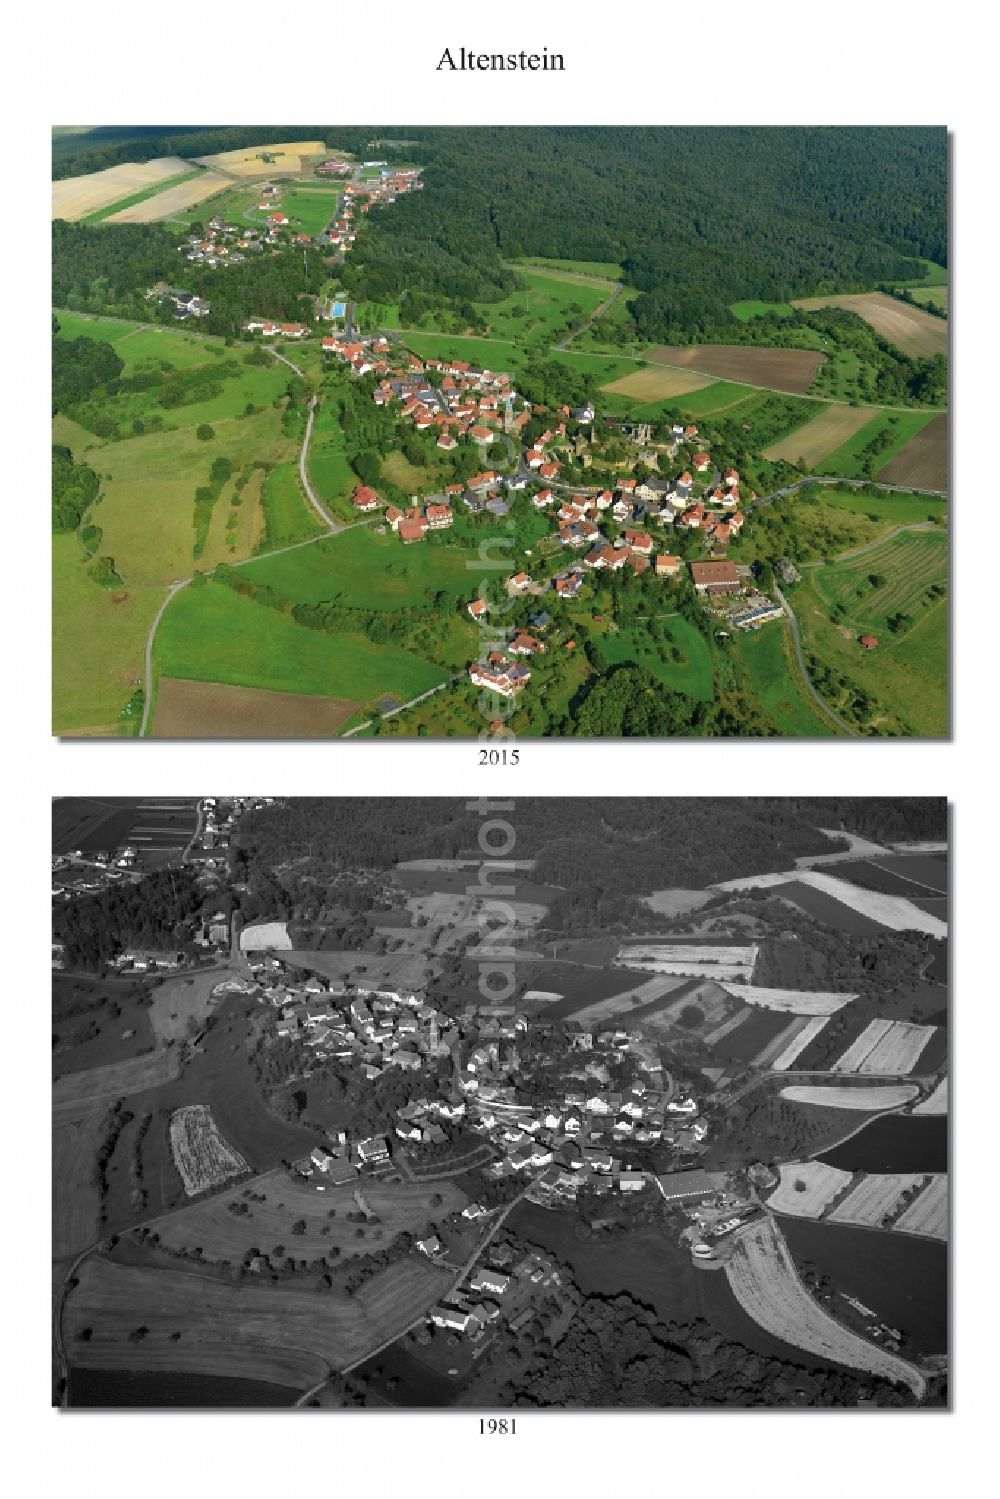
[503,1289]
[184,303]
[380,1029]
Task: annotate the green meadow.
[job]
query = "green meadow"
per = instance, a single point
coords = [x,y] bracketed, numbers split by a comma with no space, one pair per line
[288,516]
[902,425]
[210,633]
[768,674]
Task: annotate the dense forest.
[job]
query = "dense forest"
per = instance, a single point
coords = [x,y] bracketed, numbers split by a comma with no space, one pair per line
[150,914]
[617,1354]
[80,366]
[109,145]
[697,218]
[74,487]
[621,843]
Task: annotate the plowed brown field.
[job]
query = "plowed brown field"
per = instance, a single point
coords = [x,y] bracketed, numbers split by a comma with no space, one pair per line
[792,370]
[923,461]
[214,710]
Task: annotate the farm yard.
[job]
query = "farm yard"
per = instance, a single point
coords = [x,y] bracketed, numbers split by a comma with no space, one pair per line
[791,370]
[276,1333]
[202,1157]
[765,1282]
[834,1096]
[281,1210]
[912,330]
[215,710]
[877,1200]
[928,1215]
[807,1188]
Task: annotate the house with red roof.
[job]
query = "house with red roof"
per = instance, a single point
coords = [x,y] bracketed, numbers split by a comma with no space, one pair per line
[439,516]
[366,500]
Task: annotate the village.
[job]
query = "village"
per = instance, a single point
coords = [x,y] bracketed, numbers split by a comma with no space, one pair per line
[606,530]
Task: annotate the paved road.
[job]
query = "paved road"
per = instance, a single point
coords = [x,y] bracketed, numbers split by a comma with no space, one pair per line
[828,713]
[147,702]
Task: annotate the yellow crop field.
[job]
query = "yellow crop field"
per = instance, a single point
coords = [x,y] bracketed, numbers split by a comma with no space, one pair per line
[929,1214]
[248,161]
[75,197]
[656,384]
[171,200]
[806,1188]
[916,332]
[877,1199]
[821,435]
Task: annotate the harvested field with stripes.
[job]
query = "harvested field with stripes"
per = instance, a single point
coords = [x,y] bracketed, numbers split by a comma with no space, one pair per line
[171,200]
[642,993]
[899,1050]
[851,1059]
[865,1100]
[922,463]
[689,959]
[936,1102]
[807,1188]
[799,1042]
[792,370]
[280,1333]
[75,197]
[764,1281]
[248,161]
[919,334]
[781,1042]
[754,1036]
[876,1200]
[202,1157]
[826,432]
[792,1001]
[929,1214]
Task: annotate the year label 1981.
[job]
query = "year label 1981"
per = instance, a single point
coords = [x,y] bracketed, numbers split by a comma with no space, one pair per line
[497,1426]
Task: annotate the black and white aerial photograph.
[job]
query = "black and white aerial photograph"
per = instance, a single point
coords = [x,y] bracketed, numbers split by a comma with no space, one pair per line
[583,1103]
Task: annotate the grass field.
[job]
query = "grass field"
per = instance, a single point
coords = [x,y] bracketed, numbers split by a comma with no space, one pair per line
[791,370]
[147,509]
[368,571]
[599,270]
[692,675]
[212,634]
[932,296]
[98,639]
[718,396]
[329,471]
[223,1234]
[744,312]
[279,1333]
[828,430]
[924,459]
[116,1079]
[102,330]
[916,332]
[309,208]
[288,516]
[901,427]
[76,1135]
[764,656]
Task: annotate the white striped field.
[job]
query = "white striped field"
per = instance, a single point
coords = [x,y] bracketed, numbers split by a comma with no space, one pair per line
[794,1001]
[929,1214]
[893,911]
[865,1100]
[899,1050]
[875,1200]
[806,1188]
[780,1042]
[936,1102]
[799,1042]
[861,1046]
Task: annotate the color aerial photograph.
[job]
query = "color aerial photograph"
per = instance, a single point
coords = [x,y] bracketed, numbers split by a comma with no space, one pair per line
[556,431]
[401,1103]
